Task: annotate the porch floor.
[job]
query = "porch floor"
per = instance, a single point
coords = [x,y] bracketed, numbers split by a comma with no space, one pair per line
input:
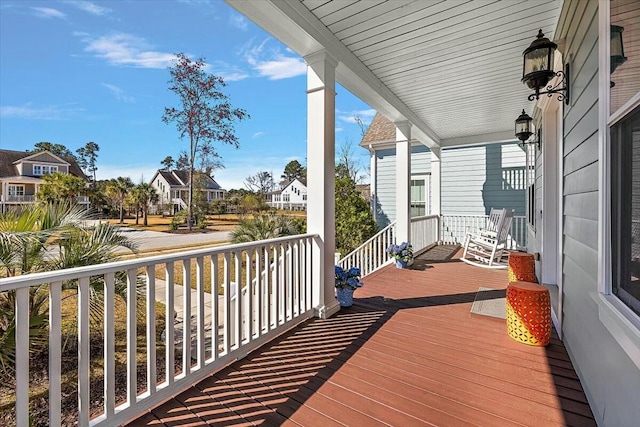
[409,352]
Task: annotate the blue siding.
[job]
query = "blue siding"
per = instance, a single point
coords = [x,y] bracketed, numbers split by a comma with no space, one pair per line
[474,179]
[610,378]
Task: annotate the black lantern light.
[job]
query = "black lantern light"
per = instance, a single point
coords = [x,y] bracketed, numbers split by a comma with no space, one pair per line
[537,70]
[617,48]
[524,126]
[524,130]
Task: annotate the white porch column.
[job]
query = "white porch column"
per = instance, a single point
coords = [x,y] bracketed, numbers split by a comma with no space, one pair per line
[436,181]
[321,68]
[403,180]
[373,182]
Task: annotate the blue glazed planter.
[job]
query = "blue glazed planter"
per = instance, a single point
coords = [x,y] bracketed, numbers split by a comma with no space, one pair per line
[403,264]
[345,297]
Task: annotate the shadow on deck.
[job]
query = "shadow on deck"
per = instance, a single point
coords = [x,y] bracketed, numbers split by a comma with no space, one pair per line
[409,352]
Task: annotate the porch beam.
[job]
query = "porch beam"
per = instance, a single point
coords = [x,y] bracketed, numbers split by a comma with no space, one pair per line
[485,138]
[321,67]
[403,181]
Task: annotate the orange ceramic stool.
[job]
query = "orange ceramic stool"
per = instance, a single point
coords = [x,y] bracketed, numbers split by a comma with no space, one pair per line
[529,313]
[522,267]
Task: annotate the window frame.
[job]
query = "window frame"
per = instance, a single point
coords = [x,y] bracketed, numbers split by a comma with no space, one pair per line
[44,169]
[619,319]
[427,184]
[15,187]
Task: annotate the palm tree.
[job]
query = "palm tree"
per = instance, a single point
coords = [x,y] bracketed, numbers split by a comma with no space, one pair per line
[60,187]
[49,237]
[262,227]
[146,194]
[118,189]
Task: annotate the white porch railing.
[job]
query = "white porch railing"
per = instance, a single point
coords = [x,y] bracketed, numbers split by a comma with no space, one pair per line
[455,228]
[18,199]
[372,254]
[425,230]
[276,273]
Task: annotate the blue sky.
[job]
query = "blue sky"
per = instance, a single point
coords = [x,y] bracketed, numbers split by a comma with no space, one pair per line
[75,71]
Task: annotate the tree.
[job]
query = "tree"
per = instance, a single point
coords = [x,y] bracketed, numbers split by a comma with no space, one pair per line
[167,163]
[354,221]
[44,238]
[57,149]
[294,170]
[145,194]
[348,166]
[117,190]
[205,114]
[87,157]
[183,161]
[261,182]
[263,227]
[61,187]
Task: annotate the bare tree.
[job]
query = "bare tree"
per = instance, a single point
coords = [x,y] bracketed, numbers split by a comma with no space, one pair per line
[347,165]
[205,115]
[261,182]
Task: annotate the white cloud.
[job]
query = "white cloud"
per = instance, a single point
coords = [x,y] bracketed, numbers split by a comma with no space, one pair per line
[50,112]
[339,129]
[239,22]
[229,72]
[350,116]
[119,93]
[257,134]
[89,7]
[272,63]
[128,50]
[47,12]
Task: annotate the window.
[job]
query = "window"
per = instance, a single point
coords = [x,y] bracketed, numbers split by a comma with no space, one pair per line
[419,195]
[44,169]
[16,190]
[625,209]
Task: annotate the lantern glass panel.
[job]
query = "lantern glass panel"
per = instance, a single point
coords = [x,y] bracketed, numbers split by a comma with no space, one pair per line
[523,126]
[616,43]
[537,60]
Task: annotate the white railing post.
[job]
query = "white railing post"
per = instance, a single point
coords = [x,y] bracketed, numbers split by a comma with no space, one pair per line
[22,356]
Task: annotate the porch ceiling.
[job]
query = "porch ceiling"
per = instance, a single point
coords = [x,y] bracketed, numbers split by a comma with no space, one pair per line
[452,68]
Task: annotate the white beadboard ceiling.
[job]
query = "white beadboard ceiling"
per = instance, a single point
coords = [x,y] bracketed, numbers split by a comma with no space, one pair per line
[451,67]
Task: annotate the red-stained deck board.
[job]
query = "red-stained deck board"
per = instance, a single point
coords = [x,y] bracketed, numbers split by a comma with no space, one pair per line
[408,353]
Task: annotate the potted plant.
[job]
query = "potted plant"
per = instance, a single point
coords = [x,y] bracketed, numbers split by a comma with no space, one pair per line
[403,253]
[347,281]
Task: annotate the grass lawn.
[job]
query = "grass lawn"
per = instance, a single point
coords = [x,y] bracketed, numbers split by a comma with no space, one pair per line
[223,222]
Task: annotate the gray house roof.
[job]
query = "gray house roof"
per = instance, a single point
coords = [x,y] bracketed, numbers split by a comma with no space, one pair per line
[180,178]
[8,158]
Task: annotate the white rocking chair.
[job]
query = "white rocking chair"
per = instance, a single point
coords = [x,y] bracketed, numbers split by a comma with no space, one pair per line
[486,248]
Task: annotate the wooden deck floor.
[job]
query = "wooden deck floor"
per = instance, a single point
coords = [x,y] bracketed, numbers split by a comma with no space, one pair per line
[407,353]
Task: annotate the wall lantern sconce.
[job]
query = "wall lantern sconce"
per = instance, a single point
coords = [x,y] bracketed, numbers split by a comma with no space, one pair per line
[617,49]
[537,70]
[524,129]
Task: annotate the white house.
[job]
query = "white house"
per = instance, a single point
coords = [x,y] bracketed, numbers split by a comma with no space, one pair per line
[292,196]
[21,175]
[173,188]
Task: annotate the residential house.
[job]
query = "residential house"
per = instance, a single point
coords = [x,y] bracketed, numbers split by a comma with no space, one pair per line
[173,189]
[447,74]
[473,180]
[21,175]
[292,195]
